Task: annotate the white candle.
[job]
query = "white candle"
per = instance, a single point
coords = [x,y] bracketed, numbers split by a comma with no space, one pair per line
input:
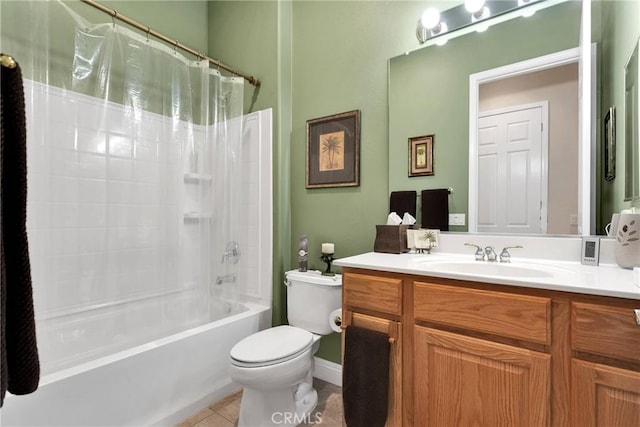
[328,248]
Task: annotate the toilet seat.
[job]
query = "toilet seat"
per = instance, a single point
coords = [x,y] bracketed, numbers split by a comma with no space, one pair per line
[271,346]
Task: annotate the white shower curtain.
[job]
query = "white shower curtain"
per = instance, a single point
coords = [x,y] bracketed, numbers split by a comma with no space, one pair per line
[134,157]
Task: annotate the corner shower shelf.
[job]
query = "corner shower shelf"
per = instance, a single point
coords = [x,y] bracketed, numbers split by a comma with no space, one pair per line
[196,177]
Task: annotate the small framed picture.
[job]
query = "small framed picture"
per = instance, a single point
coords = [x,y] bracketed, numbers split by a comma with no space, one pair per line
[610,144]
[421,155]
[333,151]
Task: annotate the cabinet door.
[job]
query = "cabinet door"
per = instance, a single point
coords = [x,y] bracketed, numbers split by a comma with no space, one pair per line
[464,381]
[604,396]
[394,329]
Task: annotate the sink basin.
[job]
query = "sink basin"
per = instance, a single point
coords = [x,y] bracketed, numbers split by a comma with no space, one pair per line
[488,269]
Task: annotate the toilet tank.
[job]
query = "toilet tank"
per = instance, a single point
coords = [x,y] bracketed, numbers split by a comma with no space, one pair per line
[311,297]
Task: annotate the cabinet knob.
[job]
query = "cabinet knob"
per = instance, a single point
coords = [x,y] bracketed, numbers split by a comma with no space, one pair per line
[637,312]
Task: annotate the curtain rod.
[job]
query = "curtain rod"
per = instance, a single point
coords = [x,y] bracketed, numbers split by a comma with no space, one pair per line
[114,13]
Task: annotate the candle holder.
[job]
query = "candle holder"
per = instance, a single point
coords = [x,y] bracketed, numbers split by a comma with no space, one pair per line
[328,259]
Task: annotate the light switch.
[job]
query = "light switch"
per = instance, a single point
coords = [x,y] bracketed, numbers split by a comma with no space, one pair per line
[456,219]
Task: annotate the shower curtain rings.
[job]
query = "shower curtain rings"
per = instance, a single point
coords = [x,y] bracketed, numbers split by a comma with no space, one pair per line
[114,17]
[148,31]
[175,47]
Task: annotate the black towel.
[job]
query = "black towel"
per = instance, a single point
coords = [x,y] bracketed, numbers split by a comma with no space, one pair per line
[365,377]
[403,201]
[435,209]
[20,364]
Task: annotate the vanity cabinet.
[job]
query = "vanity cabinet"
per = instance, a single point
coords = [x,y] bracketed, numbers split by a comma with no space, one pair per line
[463,375]
[605,344]
[375,302]
[471,353]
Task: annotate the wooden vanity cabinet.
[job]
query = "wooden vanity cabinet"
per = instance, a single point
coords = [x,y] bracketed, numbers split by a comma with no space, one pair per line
[470,353]
[605,367]
[375,302]
[464,374]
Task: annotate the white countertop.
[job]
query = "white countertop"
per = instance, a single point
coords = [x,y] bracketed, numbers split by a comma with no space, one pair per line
[566,276]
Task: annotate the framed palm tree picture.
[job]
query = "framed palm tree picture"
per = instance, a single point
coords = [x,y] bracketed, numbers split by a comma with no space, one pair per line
[333,151]
[421,155]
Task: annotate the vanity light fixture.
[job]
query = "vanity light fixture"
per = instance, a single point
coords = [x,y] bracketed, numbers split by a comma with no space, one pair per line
[430,25]
[470,15]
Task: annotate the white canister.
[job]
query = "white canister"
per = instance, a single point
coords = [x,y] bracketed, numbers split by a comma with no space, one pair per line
[627,249]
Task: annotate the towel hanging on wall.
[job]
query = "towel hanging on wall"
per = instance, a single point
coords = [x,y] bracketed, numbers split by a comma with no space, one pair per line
[435,209]
[403,201]
[19,353]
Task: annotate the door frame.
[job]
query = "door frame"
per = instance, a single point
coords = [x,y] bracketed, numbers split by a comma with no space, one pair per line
[545,62]
[544,153]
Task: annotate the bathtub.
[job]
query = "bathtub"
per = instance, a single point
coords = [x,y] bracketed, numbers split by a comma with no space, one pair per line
[158,383]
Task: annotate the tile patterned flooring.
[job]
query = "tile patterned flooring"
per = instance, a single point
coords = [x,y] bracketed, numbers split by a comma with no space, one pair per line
[224,413]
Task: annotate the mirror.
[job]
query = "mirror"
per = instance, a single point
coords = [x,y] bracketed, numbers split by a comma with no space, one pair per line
[429,93]
[632,124]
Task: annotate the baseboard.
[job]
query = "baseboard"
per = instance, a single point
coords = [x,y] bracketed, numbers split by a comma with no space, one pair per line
[328,371]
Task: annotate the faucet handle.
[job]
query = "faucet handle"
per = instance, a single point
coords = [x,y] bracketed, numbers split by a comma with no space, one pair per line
[505,256]
[479,252]
[491,253]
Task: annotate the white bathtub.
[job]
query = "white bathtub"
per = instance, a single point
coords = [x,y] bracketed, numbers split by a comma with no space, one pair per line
[158,383]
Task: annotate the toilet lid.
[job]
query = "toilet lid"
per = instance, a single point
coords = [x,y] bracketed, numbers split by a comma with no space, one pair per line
[271,344]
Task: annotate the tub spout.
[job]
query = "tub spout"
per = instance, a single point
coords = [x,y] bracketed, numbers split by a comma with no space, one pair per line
[227,278]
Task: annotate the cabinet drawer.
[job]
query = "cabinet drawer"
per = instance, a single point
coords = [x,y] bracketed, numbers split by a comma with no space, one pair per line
[605,330]
[509,315]
[376,293]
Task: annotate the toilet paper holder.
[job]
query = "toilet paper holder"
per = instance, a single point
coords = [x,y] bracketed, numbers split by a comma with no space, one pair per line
[337,320]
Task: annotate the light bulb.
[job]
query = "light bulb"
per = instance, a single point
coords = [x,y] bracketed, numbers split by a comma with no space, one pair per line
[440,29]
[473,6]
[442,41]
[484,13]
[430,18]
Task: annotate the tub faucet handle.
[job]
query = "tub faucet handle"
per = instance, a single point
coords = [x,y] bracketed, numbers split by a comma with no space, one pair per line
[479,252]
[231,253]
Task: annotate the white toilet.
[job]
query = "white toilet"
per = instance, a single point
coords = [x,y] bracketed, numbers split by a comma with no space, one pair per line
[275,366]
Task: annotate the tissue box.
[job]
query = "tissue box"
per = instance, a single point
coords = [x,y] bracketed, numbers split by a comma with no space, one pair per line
[391,239]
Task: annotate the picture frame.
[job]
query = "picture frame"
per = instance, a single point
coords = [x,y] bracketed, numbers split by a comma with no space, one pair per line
[609,143]
[333,151]
[421,155]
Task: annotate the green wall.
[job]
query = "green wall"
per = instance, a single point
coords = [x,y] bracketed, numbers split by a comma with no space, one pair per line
[340,53]
[429,93]
[619,35]
[317,58]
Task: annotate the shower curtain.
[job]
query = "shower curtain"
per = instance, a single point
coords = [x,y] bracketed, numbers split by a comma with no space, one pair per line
[134,154]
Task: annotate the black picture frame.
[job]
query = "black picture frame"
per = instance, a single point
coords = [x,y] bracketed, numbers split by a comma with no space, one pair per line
[333,151]
[421,155]
[609,143]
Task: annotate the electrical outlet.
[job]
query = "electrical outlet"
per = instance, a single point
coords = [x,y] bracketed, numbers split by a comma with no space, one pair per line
[456,219]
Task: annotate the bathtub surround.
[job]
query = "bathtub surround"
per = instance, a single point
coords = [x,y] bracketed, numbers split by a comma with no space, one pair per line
[20,371]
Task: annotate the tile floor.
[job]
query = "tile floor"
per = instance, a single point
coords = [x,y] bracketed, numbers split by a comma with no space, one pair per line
[224,413]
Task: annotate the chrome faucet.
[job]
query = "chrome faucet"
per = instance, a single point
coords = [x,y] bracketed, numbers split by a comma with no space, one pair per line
[491,254]
[479,253]
[227,278]
[505,256]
